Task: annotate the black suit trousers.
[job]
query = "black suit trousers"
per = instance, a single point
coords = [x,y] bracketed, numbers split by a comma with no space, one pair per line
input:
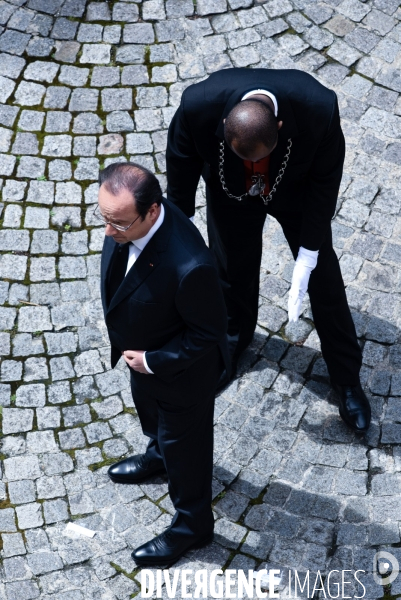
[235,238]
[181,435]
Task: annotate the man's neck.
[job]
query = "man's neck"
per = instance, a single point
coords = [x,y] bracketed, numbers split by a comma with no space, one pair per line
[264,99]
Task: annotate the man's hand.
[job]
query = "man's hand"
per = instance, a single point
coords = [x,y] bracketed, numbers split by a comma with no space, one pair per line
[304,265]
[134,359]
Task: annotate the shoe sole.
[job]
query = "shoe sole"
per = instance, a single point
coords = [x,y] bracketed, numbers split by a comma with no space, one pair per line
[152,563]
[126,481]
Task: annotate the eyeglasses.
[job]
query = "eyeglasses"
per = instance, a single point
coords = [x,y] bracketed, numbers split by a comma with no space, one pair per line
[101,219]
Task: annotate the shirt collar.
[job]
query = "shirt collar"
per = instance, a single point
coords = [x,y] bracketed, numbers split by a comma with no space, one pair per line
[264,93]
[141,242]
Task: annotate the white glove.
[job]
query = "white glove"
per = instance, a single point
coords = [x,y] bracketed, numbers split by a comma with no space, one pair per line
[304,265]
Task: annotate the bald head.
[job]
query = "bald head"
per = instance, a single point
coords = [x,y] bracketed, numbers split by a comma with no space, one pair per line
[251,129]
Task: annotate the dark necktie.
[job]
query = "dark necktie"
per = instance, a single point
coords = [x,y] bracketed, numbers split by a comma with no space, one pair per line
[117,271]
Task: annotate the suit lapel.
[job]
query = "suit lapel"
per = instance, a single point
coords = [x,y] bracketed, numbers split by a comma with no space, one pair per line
[147,262]
[110,248]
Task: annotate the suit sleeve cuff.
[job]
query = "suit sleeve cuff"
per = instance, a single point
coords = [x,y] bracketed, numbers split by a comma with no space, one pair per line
[145,364]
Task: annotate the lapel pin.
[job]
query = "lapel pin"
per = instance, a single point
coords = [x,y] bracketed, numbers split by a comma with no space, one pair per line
[151,264]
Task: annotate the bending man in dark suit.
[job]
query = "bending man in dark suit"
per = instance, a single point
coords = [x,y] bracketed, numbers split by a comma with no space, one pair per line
[165,313]
[270,141]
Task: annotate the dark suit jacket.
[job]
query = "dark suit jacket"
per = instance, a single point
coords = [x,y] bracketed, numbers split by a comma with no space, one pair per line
[171,305]
[310,116]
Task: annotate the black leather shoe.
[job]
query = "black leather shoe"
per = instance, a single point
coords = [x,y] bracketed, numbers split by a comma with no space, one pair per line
[354,407]
[135,469]
[168,547]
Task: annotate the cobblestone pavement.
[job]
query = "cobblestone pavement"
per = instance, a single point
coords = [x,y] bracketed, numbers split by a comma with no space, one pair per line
[85,84]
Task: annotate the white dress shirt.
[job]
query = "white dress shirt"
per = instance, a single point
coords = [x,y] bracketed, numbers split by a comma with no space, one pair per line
[264,93]
[135,250]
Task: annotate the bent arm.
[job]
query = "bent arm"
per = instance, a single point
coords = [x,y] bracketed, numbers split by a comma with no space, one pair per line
[324,183]
[184,165]
[199,300]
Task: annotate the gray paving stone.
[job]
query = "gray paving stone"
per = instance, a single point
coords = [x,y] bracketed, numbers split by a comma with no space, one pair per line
[6,164]
[61,368]
[89,33]
[44,562]
[7,318]
[29,515]
[64,29]
[58,145]
[87,169]
[11,370]
[56,122]
[83,99]
[85,389]
[139,33]
[7,520]
[14,191]
[64,316]
[13,544]
[95,53]
[13,42]
[39,442]
[131,54]
[40,47]
[14,240]
[60,170]
[29,94]
[35,369]
[31,167]
[72,438]
[11,66]
[6,88]
[88,457]
[98,11]
[12,216]
[97,432]
[56,97]
[105,76]
[115,448]
[119,121]
[19,468]
[48,418]
[12,445]
[76,415]
[112,34]
[53,464]
[379,21]
[16,420]
[54,512]
[21,492]
[16,568]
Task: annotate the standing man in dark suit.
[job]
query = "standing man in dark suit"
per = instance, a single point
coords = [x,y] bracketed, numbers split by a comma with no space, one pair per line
[165,314]
[270,141]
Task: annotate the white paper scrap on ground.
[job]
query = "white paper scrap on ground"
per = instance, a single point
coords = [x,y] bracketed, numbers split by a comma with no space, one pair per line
[78,529]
